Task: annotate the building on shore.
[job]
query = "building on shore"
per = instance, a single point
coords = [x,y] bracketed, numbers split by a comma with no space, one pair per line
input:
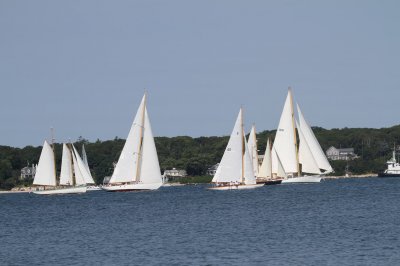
[174,174]
[28,172]
[344,154]
[212,170]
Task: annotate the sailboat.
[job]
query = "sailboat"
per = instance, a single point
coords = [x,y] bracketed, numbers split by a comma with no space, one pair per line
[235,170]
[265,173]
[91,185]
[308,157]
[137,167]
[71,177]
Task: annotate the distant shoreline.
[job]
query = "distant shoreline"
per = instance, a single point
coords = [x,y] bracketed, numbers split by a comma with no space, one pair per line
[352,176]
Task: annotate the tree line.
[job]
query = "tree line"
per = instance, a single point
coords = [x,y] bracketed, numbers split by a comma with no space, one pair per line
[196,155]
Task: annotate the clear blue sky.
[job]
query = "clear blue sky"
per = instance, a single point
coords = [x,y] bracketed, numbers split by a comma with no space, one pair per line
[82,66]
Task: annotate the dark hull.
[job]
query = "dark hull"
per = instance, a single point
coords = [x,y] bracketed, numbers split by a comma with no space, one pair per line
[270,182]
[388,175]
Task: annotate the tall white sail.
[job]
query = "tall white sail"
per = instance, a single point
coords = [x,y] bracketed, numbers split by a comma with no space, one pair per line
[127,165]
[306,157]
[84,158]
[87,177]
[284,143]
[150,168]
[249,176]
[313,144]
[252,144]
[79,179]
[266,166]
[230,167]
[66,167]
[46,171]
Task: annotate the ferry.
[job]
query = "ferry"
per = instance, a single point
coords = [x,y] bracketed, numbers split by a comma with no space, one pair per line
[393,167]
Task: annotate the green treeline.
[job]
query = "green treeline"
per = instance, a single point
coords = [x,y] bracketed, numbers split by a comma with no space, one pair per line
[373,146]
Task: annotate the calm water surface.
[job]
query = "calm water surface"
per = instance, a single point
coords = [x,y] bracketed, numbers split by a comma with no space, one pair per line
[339,222]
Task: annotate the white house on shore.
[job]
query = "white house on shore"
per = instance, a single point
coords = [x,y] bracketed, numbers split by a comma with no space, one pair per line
[344,154]
[212,170]
[174,174]
[28,172]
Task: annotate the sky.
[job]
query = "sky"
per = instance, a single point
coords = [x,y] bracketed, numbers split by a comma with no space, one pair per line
[82,66]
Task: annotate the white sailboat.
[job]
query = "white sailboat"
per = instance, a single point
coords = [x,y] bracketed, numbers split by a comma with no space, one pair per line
[235,170]
[137,167]
[71,181]
[309,154]
[265,173]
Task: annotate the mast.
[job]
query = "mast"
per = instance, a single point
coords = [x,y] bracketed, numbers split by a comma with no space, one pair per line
[72,154]
[140,140]
[54,151]
[243,144]
[294,131]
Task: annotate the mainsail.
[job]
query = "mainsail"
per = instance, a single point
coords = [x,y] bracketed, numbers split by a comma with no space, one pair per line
[230,167]
[46,171]
[66,167]
[284,143]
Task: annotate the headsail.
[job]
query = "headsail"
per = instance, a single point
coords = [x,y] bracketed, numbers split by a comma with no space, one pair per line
[79,179]
[150,168]
[249,177]
[266,166]
[306,157]
[84,158]
[252,144]
[87,177]
[313,144]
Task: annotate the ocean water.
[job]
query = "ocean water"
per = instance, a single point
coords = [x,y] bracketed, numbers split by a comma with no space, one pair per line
[337,222]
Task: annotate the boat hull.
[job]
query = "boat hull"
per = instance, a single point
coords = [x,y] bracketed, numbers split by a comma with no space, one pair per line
[236,187]
[131,187]
[68,190]
[388,175]
[302,179]
[270,182]
[93,188]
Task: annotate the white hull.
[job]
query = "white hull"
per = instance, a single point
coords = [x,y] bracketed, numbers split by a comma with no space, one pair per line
[68,190]
[131,187]
[172,185]
[302,179]
[236,187]
[93,188]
